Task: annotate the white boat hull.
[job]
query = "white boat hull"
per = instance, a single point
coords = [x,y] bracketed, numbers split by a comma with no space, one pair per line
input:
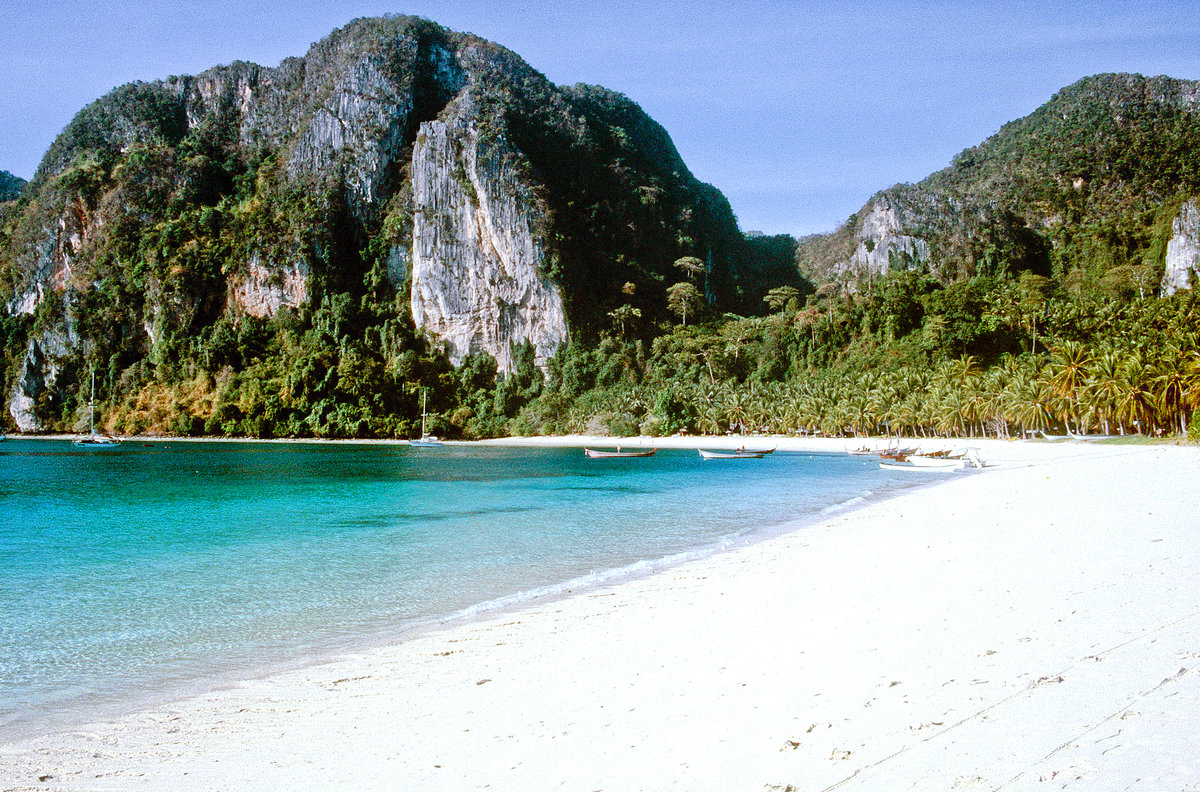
[951,466]
[730,454]
[594,453]
[97,443]
[935,462]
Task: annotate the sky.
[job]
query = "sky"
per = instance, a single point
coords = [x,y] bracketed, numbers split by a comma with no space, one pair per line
[797,111]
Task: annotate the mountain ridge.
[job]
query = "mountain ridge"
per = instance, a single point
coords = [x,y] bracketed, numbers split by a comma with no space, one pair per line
[1075,188]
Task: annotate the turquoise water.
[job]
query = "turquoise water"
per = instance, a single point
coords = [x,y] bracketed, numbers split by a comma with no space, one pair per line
[132,576]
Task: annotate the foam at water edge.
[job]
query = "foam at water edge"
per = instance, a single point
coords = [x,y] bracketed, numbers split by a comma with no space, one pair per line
[847,504]
[588,582]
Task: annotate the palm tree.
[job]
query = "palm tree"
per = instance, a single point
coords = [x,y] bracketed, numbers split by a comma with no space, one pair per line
[946,402]
[711,418]
[1025,400]
[882,392]
[993,407]
[1101,389]
[1191,392]
[973,403]
[1069,362]
[734,402]
[1171,386]
[1135,400]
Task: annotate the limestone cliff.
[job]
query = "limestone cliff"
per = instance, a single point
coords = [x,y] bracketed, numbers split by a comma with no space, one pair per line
[46,356]
[261,290]
[883,243]
[478,282]
[1183,249]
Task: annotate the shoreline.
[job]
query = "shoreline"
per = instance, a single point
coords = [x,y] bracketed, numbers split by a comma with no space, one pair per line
[20,730]
[803,443]
[839,654]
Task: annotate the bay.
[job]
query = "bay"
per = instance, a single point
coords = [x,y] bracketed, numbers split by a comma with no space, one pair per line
[133,576]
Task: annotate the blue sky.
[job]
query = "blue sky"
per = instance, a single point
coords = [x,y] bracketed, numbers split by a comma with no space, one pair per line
[797,111]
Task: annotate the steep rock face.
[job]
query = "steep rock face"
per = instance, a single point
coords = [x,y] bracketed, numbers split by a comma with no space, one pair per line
[372,107]
[477,282]
[42,364]
[1183,249]
[349,107]
[263,290]
[52,258]
[883,243]
[37,371]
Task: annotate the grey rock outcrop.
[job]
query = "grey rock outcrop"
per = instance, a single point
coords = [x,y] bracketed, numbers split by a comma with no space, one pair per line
[363,123]
[40,369]
[883,244]
[52,259]
[476,265]
[1029,196]
[1183,249]
[263,290]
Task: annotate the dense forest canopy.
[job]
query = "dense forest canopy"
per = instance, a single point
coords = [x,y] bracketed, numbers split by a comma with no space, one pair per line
[10,186]
[1029,297]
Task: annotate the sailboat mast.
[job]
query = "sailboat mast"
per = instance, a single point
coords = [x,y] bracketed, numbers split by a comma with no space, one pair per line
[92,406]
[424,398]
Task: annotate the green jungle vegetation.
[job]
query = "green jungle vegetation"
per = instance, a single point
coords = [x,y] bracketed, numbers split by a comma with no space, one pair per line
[175,210]
[1086,184]
[10,186]
[979,357]
[1038,310]
[995,357]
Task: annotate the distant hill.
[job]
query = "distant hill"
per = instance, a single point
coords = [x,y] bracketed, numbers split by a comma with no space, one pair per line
[1088,182]
[10,186]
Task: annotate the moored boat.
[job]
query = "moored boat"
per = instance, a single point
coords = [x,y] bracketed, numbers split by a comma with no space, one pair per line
[898,454]
[934,460]
[93,441]
[426,440]
[924,465]
[731,454]
[944,462]
[97,442]
[604,453]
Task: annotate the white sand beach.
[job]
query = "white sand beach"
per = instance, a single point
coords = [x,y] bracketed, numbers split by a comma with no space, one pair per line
[1035,625]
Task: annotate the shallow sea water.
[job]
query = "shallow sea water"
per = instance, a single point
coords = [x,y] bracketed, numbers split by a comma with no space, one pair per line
[131,576]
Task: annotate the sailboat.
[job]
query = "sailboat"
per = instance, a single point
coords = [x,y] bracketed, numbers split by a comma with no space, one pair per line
[427,440]
[95,441]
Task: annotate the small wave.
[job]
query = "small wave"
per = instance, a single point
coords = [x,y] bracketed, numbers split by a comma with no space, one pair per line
[588,582]
[847,504]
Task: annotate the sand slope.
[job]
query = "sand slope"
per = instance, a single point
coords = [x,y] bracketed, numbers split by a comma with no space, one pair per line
[1033,626]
